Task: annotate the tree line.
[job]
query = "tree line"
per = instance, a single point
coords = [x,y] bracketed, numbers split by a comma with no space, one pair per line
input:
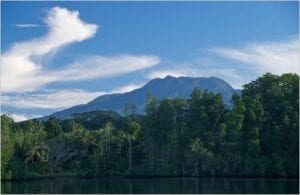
[256,136]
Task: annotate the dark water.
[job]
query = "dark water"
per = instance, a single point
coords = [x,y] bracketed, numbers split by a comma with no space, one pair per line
[158,185]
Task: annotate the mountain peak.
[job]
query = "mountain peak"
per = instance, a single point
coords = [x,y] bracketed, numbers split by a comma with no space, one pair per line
[167,87]
[170,77]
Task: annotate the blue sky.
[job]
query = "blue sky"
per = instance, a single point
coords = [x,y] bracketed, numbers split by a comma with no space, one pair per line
[59,54]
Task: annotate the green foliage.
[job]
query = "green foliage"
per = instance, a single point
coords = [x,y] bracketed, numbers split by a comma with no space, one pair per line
[7,144]
[53,127]
[201,136]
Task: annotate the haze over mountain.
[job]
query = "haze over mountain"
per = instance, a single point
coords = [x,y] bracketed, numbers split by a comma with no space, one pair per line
[168,87]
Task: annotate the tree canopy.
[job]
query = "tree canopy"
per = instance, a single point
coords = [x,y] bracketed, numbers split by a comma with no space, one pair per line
[258,135]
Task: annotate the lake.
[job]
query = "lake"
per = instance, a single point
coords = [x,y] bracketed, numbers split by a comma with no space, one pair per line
[153,185]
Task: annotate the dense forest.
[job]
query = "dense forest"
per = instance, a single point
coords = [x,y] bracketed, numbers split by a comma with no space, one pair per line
[257,135]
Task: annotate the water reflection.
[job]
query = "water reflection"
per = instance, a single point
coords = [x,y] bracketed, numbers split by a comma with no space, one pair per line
[152,186]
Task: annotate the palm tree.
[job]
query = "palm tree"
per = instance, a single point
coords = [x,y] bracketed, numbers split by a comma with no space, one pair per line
[132,136]
[37,153]
[196,146]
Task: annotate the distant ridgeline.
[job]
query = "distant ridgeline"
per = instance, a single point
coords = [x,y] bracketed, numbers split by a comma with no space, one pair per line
[169,87]
[194,135]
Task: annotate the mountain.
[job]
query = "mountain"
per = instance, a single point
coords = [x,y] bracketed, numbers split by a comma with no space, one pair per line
[168,87]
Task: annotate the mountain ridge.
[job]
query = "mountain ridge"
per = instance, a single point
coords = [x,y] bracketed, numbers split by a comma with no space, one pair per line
[168,87]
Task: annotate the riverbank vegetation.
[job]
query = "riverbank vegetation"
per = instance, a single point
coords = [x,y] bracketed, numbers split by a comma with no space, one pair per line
[258,135]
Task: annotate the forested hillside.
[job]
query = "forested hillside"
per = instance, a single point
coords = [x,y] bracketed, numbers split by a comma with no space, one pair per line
[200,136]
[168,87]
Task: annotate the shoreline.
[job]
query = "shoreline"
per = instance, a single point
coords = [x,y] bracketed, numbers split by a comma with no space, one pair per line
[140,177]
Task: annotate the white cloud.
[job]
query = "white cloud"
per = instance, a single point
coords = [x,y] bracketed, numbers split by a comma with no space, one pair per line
[175,72]
[127,88]
[274,57]
[240,65]
[21,66]
[59,99]
[102,67]
[21,117]
[26,25]
[18,117]
[56,99]
[51,99]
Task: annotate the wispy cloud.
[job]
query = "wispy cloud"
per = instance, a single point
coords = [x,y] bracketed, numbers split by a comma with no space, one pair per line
[127,88]
[274,57]
[59,99]
[26,25]
[22,68]
[90,67]
[21,65]
[50,99]
[237,66]
[175,72]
